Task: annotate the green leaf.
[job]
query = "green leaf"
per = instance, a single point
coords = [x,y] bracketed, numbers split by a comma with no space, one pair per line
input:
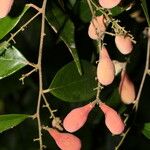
[146,130]
[117,10]
[11,60]
[69,86]
[62,25]
[145,10]
[72,2]
[8,23]
[114,11]
[11,120]
[83,10]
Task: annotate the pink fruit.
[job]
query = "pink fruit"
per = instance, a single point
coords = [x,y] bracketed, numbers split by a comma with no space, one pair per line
[124,44]
[77,118]
[109,3]
[97,27]
[126,89]
[105,68]
[5,6]
[113,120]
[65,141]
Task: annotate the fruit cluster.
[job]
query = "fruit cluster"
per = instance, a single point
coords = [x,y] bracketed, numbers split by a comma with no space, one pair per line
[107,69]
[77,118]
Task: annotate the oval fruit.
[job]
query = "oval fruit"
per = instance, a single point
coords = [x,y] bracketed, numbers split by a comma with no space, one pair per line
[126,89]
[77,118]
[109,3]
[113,120]
[105,68]
[97,27]
[65,141]
[124,44]
[5,6]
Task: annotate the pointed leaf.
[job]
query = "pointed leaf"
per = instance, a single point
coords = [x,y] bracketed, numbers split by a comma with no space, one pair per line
[146,130]
[117,10]
[11,120]
[145,10]
[8,23]
[69,86]
[83,11]
[11,60]
[62,25]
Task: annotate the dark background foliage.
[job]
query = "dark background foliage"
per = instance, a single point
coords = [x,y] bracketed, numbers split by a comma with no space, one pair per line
[18,98]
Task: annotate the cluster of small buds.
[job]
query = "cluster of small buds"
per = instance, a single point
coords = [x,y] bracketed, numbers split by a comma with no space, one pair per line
[5,6]
[78,116]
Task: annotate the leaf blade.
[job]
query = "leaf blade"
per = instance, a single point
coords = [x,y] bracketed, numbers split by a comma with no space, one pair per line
[11,120]
[69,86]
[62,25]
[11,60]
[8,23]
[145,10]
[146,130]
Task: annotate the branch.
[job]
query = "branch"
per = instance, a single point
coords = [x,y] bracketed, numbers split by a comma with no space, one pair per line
[40,72]
[145,71]
[22,27]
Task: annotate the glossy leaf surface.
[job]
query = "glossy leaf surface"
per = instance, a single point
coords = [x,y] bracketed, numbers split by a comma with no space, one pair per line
[11,120]
[61,24]
[69,86]
[11,60]
[146,130]
[8,23]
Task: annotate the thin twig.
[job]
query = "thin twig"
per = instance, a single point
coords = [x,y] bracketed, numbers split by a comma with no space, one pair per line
[135,106]
[48,107]
[40,73]
[27,74]
[22,27]
[148,72]
[91,8]
[122,139]
[34,6]
[46,91]
[145,71]
[56,121]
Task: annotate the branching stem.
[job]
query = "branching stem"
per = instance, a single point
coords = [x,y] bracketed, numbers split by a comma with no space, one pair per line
[22,27]
[136,104]
[145,71]
[48,107]
[122,139]
[40,72]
